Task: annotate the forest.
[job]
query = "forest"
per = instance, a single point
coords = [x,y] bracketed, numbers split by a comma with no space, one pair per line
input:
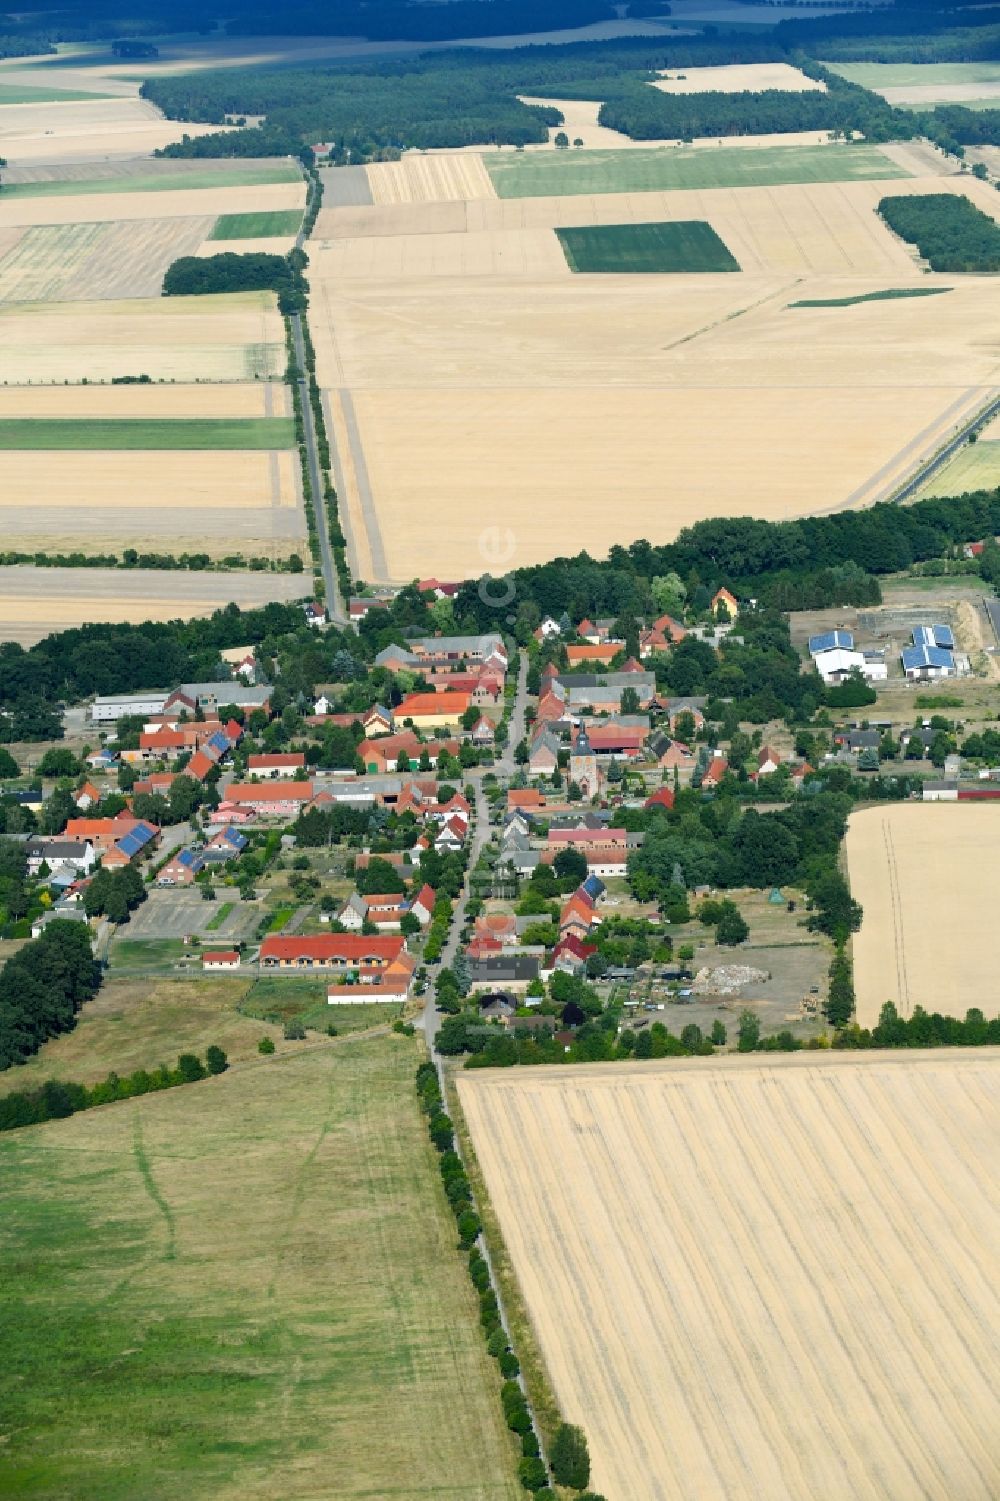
[42,987]
[454,99]
[948,230]
[193,276]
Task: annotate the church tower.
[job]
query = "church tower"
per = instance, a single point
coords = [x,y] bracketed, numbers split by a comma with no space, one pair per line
[583,766]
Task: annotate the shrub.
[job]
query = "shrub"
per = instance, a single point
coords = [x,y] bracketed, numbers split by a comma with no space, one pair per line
[531,1473]
[469,1226]
[216,1060]
[266,1045]
[496,1345]
[509,1364]
[190,1068]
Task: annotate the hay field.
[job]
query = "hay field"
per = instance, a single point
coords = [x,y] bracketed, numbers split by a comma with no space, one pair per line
[149,433]
[928,879]
[229,337]
[260,399]
[738,78]
[266,224]
[169,202]
[756,1278]
[88,262]
[975,467]
[925,83]
[217,501]
[430,179]
[34,602]
[245,1288]
[665,168]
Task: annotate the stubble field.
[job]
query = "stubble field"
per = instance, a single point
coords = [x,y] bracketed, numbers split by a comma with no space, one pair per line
[236,337]
[245,1288]
[34,602]
[928,879]
[738,78]
[759,1279]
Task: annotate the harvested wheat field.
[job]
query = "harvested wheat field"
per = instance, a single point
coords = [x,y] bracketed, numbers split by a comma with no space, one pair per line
[36,601]
[216,502]
[230,337]
[928,879]
[87,262]
[760,1279]
[580,123]
[88,131]
[738,78]
[430,179]
[170,203]
[256,399]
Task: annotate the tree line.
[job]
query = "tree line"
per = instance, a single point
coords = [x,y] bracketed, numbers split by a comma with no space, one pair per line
[253,271]
[56,1101]
[42,987]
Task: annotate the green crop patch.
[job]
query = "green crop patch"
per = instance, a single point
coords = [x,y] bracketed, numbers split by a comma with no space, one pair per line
[664,168]
[146,433]
[891,294]
[679,246]
[262,226]
[26,93]
[220,176]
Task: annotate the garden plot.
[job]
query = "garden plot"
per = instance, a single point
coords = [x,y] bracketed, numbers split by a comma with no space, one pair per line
[88,262]
[754,1278]
[34,602]
[928,880]
[228,337]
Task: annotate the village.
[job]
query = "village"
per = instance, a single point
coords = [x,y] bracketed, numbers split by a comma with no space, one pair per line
[474,836]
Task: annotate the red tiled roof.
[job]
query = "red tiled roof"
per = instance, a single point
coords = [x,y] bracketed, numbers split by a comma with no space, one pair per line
[450,704]
[286,758]
[270,792]
[220,956]
[351,947]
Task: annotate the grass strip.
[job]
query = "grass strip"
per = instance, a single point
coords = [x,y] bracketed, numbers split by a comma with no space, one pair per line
[30,433]
[889,295]
[257,226]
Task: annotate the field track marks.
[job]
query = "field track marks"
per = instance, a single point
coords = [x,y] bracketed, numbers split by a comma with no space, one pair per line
[376,547]
[896,911]
[146,1172]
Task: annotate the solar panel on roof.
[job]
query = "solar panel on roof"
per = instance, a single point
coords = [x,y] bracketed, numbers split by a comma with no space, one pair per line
[129,845]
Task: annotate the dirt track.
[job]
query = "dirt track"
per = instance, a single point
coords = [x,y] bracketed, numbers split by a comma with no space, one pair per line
[760,1279]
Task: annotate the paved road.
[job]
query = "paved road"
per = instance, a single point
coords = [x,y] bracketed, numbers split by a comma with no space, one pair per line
[504,769]
[334,603]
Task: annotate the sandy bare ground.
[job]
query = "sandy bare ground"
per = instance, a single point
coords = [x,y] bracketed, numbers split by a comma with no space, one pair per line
[927,877]
[93,208]
[430,179]
[87,262]
[260,399]
[738,78]
[207,501]
[36,601]
[757,1279]
[232,337]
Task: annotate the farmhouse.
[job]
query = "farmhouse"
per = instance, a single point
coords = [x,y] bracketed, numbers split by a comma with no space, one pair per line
[267,800]
[722,599]
[220,959]
[512,971]
[285,764]
[59,850]
[430,711]
[604,652]
[368,957]
[209,696]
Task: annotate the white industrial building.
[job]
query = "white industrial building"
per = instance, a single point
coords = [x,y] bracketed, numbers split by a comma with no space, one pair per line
[835,658]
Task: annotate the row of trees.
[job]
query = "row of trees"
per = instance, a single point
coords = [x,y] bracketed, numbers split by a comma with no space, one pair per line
[56,1101]
[42,987]
[924,1029]
[948,230]
[569,1457]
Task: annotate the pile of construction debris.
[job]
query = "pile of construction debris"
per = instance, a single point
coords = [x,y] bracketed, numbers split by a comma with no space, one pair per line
[727,979]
